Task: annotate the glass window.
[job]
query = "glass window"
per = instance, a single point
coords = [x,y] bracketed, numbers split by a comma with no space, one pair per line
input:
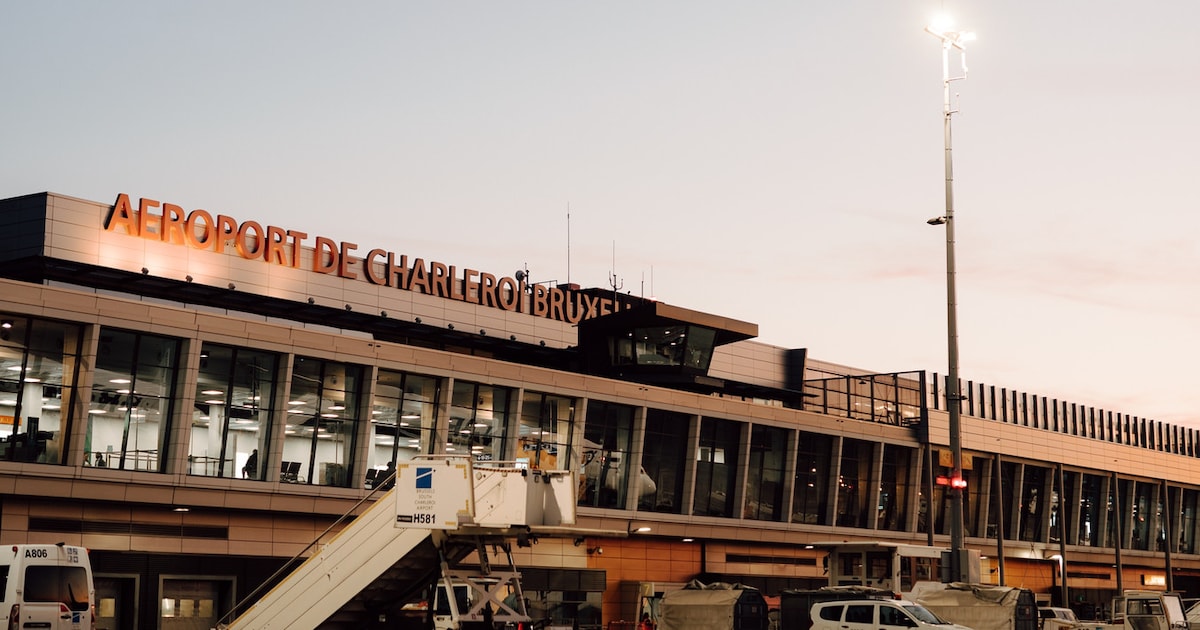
[132,397]
[322,421]
[193,603]
[860,613]
[1187,521]
[1118,490]
[1008,473]
[831,613]
[402,420]
[897,476]
[889,616]
[716,467]
[38,368]
[664,459]
[1065,508]
[1033,503]
[1091,500]
[1145,512]
[56,583]
[545,438]
[478,421]
[700,343]
[661,345]
[764,477]
[810,496]
[231,418]
[854,482]
[604,474]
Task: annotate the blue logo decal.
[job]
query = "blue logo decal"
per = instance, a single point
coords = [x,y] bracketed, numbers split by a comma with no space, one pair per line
[424,478]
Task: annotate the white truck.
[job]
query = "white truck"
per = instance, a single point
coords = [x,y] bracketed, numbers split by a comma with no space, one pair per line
[1143,610]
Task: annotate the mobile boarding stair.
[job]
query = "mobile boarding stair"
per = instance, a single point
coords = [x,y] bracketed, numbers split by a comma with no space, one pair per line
[441,509]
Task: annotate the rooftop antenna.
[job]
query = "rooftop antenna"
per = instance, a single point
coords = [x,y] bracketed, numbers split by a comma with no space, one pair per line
[613,282]
[568,242]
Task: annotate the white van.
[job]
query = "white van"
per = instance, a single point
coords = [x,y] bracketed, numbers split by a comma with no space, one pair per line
[876,614]
[46,586]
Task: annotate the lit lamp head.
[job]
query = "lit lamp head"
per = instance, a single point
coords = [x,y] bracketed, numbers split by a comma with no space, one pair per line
[942,28]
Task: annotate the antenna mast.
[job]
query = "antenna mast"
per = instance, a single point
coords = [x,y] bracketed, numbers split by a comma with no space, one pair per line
[568,242]
[613,282]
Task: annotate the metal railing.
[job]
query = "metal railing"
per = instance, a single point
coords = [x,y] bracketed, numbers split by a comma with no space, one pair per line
[896,398]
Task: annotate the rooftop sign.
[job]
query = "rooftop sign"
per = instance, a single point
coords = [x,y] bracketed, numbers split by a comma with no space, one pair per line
[222,234]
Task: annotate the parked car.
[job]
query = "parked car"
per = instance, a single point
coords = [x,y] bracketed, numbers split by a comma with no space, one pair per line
[876,614]
[1052,617]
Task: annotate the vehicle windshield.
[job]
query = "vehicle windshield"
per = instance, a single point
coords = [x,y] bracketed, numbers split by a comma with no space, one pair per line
[921,613]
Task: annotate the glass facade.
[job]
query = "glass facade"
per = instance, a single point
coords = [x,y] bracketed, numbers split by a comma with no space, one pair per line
[715,467]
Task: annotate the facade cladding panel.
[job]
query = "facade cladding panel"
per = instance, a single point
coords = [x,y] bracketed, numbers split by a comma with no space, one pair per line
[197,418]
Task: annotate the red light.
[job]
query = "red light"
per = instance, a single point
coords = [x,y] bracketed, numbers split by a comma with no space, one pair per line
[954,482]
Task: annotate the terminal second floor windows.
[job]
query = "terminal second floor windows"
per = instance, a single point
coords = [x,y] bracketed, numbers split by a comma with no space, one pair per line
[95,396]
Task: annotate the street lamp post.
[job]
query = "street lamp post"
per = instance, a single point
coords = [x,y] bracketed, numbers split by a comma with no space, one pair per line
[958,557]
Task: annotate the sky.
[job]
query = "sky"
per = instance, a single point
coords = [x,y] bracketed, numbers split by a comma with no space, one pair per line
[774,162]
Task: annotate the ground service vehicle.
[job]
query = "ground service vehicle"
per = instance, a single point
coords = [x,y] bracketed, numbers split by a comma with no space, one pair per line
[979,606]
[716,606]
[1145,610]
[876,614]
[46,586]
[439,510]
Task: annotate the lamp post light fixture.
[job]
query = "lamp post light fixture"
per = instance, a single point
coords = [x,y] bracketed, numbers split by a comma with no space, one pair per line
[958,556]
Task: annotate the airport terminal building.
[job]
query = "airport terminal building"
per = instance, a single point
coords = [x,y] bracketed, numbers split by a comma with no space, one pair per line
[197,398]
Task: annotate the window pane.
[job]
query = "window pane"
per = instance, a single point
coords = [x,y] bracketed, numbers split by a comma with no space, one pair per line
[604,476]
[131,399]
[1033,503]
[897,476]
[854,483]
[764,479]
[545,438]
[664,458]
[38,362]
[716,467]
[322,421]
[235,400]
[810,496]
[478,421]
[402,421]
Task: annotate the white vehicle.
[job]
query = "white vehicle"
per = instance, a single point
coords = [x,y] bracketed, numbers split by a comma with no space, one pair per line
[46,586]
[1053,618]
[876,614]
